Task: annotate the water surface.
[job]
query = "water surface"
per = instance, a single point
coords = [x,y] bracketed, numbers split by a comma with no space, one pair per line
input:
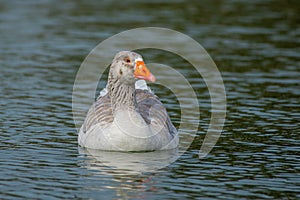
[256,48]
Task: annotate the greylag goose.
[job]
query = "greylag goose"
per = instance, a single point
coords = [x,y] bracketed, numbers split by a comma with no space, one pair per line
[127,116]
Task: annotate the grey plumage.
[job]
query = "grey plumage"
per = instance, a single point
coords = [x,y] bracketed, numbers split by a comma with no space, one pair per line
[127,116]
[101,111]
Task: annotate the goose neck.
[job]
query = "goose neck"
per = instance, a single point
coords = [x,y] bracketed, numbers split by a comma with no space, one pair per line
[122,95]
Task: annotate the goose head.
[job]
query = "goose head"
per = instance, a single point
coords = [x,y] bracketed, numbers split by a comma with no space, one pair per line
[129,66]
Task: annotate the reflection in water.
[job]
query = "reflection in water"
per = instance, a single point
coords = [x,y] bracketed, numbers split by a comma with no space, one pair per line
[125,169]
[128,162]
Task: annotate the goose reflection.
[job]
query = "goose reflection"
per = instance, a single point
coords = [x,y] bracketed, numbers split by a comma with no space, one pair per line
[127,162]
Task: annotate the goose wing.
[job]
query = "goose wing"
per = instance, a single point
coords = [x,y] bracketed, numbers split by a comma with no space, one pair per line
[99,113]
[153,111]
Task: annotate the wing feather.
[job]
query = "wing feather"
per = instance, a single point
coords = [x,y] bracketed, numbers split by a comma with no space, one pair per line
[153,111]
[99,113]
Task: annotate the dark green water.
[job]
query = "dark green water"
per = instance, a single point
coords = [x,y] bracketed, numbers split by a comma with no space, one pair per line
[256,47]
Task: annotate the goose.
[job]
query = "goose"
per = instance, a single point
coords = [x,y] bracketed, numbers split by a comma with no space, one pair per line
[127,115]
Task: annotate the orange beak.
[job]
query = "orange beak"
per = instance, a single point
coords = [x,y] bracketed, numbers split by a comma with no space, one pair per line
[142,72]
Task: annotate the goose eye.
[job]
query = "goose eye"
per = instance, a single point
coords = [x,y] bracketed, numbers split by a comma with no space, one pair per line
[127,60]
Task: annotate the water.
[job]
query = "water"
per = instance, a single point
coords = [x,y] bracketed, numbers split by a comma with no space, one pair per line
[256,48]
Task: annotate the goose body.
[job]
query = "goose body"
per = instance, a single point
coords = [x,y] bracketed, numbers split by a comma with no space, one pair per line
[127,116]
